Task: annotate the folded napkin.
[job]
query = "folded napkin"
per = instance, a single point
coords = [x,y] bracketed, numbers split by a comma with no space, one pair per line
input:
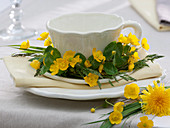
[163,10]
[147,9]
[23,75]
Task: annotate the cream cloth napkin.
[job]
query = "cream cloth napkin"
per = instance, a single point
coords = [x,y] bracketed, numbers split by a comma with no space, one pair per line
[23,75]
[147,9]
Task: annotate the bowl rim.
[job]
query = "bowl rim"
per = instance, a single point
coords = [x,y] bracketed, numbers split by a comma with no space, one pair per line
[84,33]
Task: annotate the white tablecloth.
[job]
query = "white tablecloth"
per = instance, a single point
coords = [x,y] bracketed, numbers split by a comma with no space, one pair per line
[20,109]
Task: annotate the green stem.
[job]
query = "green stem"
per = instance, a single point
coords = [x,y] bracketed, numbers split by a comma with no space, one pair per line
[108,102]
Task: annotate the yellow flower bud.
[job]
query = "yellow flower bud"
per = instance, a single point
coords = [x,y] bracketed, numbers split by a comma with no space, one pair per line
[25,45]
[92,110]
[113,52]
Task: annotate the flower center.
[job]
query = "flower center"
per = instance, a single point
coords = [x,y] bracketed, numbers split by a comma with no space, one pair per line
[144,125]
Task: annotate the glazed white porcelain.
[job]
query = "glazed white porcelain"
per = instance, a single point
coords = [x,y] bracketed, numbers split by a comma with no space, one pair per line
[81,32]
[77,94]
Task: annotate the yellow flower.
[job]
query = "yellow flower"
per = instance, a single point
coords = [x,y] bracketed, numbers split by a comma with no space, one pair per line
[98,55]
[113,52]
[63,64]
[131,66]
[69,56]
[156,100]
[101,68]
[92,110]
[87,64]
[75,60]
[144,44]
[132,49]
[91,79]
[118,106]
[48,42]
[131,91]
[25,45]
[145,123]
[123,39]
[44,36]
[54,68]
[52,52]
[115,117]
[136,56]
[133,39]
[35,64]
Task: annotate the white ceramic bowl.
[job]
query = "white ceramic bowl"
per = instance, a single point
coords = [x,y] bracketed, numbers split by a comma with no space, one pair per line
[81,32]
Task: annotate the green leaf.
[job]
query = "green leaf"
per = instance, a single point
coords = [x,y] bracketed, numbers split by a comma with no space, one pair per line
[95,64]
[111,83]
[48,60]
[48,49]
[110,69]
[108,50]
[56,53]
[126,49]
[43,70]
[99,84]
[33,47]
[106,124]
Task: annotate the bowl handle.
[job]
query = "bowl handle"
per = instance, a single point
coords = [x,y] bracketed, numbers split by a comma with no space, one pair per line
[135,25]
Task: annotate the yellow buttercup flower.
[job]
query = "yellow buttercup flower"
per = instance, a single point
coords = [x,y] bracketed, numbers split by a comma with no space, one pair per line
[91,79]
[123,39]
[54,68]
[144,44]
[25,45]
[136,56]
[115,117]
[62,63]
[131,91]
[87,64]
[132,49]
[92,110]
[118,106]
[156,100]
[101,68]
[133,39]
[131,66]
[44,36]
[69,56]
[48,42]
[145,123]
[75,60]
[35,64]
[98,55]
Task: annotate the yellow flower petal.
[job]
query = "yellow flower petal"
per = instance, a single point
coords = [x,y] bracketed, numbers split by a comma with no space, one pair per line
[145,123]
[48,42]
[115,117]
[44,36]
[144,44]
[87,64]
[131,91]
[63,64]
[35,64]
[98,55]
[91,79]
[101,68]
[25,45]
[118,106]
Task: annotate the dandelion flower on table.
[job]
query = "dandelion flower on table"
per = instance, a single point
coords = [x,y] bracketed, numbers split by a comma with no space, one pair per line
[156,100]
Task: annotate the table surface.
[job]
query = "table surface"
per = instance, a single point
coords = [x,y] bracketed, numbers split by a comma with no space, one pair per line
[20,109]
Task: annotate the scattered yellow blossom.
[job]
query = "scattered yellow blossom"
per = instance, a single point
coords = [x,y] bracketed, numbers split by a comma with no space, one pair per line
[132,49]
[44,36]
[136,56]
[144,44]
[115,117]
[101,68]
[131,66]
[123,39]
[35,64]
[54,68]
[91,79]
[75,60]
[145,123]
[156,100]
[87,64]
[131,91]
[25,45]
[48,42]
[62,63]
[118,106]
[92,110]
[98,55]
[133,39]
